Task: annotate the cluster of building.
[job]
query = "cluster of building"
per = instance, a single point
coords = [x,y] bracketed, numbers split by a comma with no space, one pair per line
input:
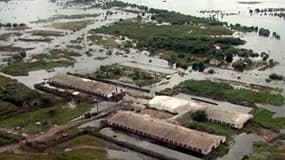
[214,113]
[175,135]
[161,130]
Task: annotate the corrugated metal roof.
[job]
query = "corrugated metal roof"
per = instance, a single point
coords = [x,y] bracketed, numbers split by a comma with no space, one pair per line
[85,84]
[177,105]
[158,128]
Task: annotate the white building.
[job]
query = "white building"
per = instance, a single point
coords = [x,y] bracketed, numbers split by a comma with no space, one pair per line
[215,113]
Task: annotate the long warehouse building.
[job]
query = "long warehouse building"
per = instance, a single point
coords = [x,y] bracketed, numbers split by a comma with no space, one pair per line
[165,132]
[88,86]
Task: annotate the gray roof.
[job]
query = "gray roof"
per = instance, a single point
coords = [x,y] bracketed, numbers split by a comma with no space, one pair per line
[83,84]
[158,128]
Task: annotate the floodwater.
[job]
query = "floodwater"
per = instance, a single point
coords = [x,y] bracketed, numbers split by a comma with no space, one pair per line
[25,11]
[242,146]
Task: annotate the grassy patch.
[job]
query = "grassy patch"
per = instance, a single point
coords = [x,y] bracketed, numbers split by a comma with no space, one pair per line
[100,58]
[85,140]
[56,54]
[45,33]
[220,151]
[6,138]
[6,108]
[16,97]
[74,46]
[23,68]
[58,114]
[73,25]
[265,151]
[75,16]
[14,94]
[107,42]
[205,126]
[226,92]
[55,58]
[145,31]
[13,49]
[82,154]
[10,156]
[57,17]
[35,39]
[265,119]
[213,128]
[6,36]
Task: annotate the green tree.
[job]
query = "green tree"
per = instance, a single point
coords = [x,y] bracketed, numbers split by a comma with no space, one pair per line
[200,116]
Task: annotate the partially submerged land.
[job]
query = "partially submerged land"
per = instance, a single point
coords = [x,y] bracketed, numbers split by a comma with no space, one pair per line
[73,117]
[138,76]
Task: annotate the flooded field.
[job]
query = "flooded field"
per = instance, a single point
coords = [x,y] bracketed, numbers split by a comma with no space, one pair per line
[255,42]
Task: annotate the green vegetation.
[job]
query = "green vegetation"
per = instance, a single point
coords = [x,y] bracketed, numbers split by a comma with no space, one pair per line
[84,154]
[264,151]
[80,154]
[35,39]
[24,68]
[275,76]
[265,119]
[57,17]
[74,46]
[120,4]
[241,28]
[147,31]
[6,36]
[96,153]
[73,25]
[6,138]
[226,92]
[58,114]
[183,44]
[181,19]
[85,140]
[55,58]
[222,150]
[106,41]
[75,16]
[16,97]
[198,121]
[100,58]
[56,54]
[45,33]
[10,48]
[16,93]
[200,116]
[138,76]
[213,128]
[247,64]
[11,156]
